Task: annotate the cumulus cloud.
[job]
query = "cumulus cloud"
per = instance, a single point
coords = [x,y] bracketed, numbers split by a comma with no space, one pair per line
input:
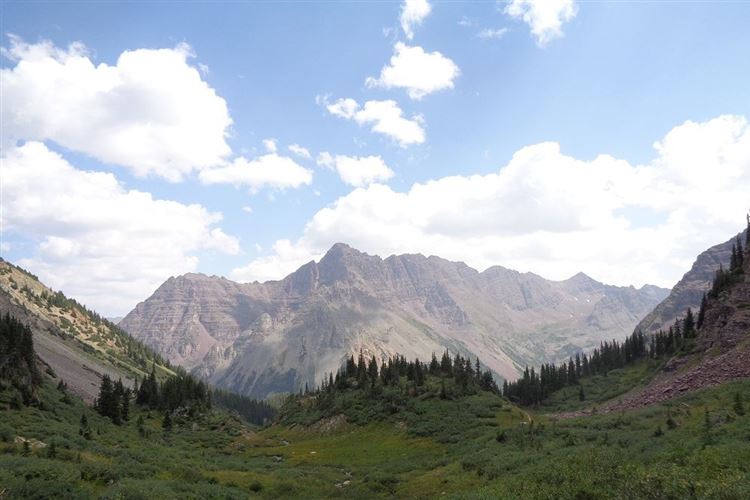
[544,17]
[419,72]
[270,145]
[386,117]
[269,170]
[413,12]
[151,111]
[492,34]
[357,170]
[285,256]
[300,151]
[107,246]
[553,214]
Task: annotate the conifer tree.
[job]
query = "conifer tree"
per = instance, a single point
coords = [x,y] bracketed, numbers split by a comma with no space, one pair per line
[689,325]
[581,394]
[166,423]
[739,407]
[84,429]
[702,312]
[740,254]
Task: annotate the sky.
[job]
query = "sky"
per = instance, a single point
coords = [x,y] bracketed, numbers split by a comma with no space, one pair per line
[143,140]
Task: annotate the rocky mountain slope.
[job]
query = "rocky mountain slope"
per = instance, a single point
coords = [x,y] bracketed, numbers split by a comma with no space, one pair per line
[720,353]
[263,338]
[690,289]
[76,344]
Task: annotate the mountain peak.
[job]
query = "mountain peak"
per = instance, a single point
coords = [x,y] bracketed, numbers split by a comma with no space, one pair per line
[582,278]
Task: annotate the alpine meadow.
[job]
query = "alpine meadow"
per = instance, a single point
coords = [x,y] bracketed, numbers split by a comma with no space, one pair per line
[407,249]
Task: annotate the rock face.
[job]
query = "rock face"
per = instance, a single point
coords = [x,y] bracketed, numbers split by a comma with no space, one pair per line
[77,346]
[689,291]
[720,353]
[264,338]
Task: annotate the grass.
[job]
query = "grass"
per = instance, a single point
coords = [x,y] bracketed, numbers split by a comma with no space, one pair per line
[478,446]
[601,388]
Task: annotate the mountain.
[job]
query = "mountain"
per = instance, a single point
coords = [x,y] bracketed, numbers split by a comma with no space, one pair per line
[264,338]
[689,291]
[77,345]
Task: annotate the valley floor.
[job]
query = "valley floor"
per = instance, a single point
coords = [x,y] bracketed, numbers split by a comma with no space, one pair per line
[479,446]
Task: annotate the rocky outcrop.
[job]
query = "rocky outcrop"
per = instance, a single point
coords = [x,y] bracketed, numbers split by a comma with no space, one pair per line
[719,354]
[263,338]
[689,291]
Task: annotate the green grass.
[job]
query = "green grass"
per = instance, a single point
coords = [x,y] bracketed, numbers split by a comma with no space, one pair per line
[601,388]
[477,446]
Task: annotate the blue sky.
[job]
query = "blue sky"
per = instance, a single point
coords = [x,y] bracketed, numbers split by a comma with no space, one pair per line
[513,138]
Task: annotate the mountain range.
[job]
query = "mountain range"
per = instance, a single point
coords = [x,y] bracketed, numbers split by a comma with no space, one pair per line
[264,338]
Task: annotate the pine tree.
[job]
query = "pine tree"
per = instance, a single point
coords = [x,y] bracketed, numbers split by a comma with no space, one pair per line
[702,312]
[166,424]
[740,254]
[84,429]
[739,407]
[125,404]
[689,325]
[707,428]
[581,394]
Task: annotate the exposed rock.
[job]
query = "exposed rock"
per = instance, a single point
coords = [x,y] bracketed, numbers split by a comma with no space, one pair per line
[721,353]
[265,338]
[689,291]
[76,346]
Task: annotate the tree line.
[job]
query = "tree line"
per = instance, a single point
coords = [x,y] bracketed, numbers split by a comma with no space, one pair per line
[18,366]
[534,387]
[369,375]
[179,391]
[725,278]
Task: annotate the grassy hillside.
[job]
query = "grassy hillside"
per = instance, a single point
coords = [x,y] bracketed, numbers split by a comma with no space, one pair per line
[475,446]
[77,343]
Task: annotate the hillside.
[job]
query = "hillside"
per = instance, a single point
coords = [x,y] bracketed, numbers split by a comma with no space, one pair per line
[703,348]
[259,339]
[78,345]
[475,445]
[690,289]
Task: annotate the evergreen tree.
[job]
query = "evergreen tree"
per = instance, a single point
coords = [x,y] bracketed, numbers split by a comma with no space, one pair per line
[702,312]
[689,325]
[581,395]
[166,423]
[740,254]
[140,425]
[739,407]
[84,429]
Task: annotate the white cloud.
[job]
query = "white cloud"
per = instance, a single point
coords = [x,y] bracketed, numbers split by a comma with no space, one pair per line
[150,112]
[107,246]
[300,151]
[247,209]
[465,22]
[270,145]
[386,118]
[553,214]
[544,17]
[285,256]
[355,170]
[413,12]
[492,34]
[268,170]
[419,72]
